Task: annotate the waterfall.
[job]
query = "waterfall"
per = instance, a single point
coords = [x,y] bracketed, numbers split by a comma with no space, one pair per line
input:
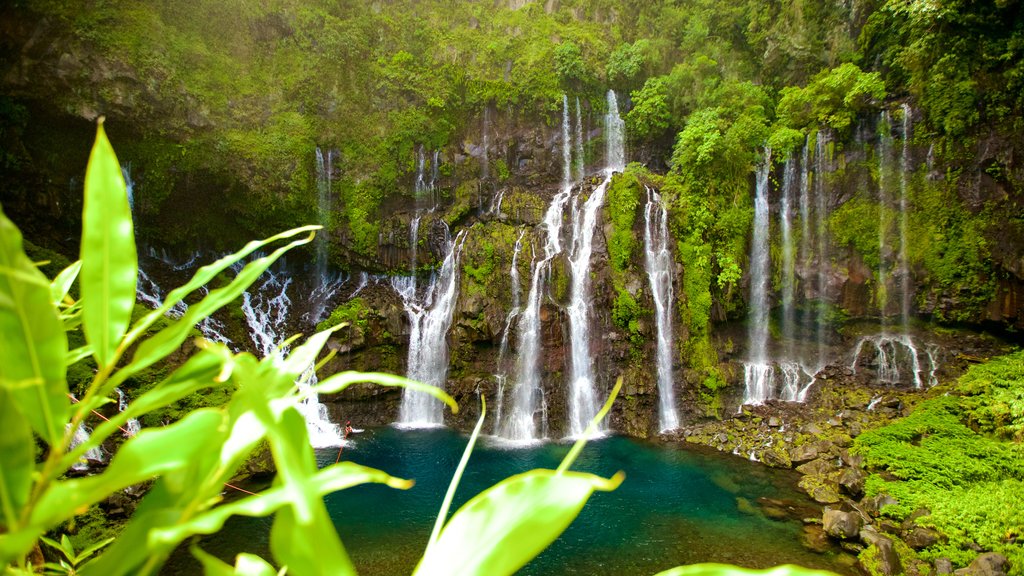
[583,403]
[615,135]
[788,273]
[805,212]
[420,185]
[485,169]
[884,152]
[566,142]
[520,425]
[327,284]
[660,267]
[266,312]
[821,211]
[890,351]
[581,163]
[904,269]
[129,184]
[132,426]
[81,436]
[501,374]
[323,196]
[430,316]
[757,373]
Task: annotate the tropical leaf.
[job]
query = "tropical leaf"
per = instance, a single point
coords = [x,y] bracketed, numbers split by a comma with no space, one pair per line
[61,285]
[32,340]
[16,461]
[150,453]
[245,565]
[169,339]
[331,479]
[109,262]
[501,529]
[338,382]
[727,570]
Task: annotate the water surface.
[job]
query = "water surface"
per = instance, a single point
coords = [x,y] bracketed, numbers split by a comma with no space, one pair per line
[676,507]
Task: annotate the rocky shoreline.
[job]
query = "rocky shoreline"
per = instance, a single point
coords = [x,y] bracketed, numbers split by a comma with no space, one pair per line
[816,439]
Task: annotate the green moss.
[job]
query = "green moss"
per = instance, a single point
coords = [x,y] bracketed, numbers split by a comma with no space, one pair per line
[947,457]
[354,313]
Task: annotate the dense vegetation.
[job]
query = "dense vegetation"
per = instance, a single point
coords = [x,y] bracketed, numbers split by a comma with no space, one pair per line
[956,463]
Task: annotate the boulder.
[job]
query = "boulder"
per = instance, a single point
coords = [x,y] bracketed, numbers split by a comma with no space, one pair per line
[920,537]
[841,525]
[822,466]
[943,566]
[852,480]
[988,564]
[880,557]
[776,457]
[809,451]
[820,488]
[814,539]
[874,504]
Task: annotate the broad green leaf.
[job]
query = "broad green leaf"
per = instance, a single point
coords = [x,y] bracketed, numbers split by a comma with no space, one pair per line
[16,545]
[577,448]
[90,550]
[129,553]
[61,285]
[198,373]
[501,529]
[303,536]
[78,354]
[152,452]
[169,339]
[32,340]
[16,461]
[727,570]
[442,515]
[245,565]
[305,355]
[109,263]
[338,382]
[310,548]
[331,479]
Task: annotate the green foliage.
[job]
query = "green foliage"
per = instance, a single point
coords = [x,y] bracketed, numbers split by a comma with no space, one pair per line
[650,117]
[626,314]
[71,560]
[628,62]
[855,224]
[623,200]
[833,98]
[352,313]
[947,457]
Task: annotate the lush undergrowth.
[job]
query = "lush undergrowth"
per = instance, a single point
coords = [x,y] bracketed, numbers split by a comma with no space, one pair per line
[959,456]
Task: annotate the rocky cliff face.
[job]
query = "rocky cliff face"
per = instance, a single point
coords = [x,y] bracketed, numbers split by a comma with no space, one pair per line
[494,180]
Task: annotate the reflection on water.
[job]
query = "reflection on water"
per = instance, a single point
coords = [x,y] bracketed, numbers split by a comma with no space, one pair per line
[675,507]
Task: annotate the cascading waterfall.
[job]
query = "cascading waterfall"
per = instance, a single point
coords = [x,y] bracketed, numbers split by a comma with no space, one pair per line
[757,371]
[566,142]
[821,212]
[429,320]
[583,404]
[81,436]
[266,311]
[581,163]
[789,182]
[132,426]
[884,152]
[904,268]
[660,267]
[893,355]
[327,284]
[501,374]
[485,169]
[126,171]
[890,352]
[520,425]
